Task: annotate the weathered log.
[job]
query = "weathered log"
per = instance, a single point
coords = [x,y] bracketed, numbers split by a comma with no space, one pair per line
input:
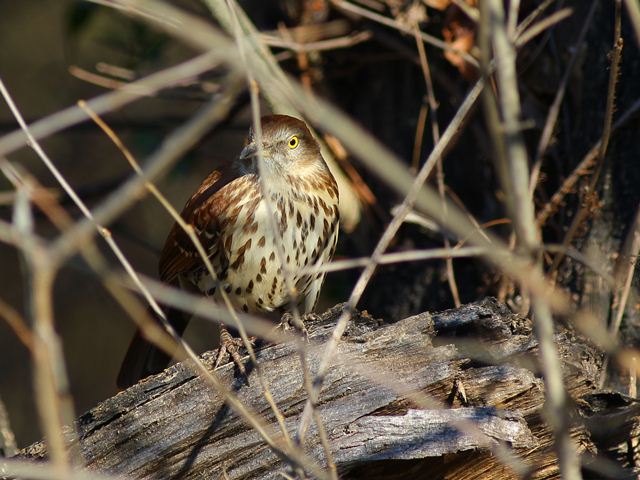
[478,362]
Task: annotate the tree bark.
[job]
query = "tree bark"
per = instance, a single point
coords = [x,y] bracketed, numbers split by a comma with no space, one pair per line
[477,364]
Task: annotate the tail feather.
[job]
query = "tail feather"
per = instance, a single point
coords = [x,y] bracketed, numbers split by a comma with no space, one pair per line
[143,358]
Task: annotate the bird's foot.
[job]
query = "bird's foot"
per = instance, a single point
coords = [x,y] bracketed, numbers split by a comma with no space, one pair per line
[230,347]
[294,322]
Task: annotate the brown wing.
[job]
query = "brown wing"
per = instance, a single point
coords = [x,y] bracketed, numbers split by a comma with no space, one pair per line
[202,211]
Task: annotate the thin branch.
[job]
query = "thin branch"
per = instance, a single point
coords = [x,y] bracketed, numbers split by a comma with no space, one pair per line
[614,73]
[179,141]
[417,142]
[398,257]
[450,134]
[8,446]
[319,46]
[95,79]
[616,57]
[512,18]
[514,173]
[506,133]
[633,8]
[625,270]
[172,148]
[51,383]
[435,133]
[51,386]
[188,229]
[42,471]
[103,231]
[542,26]
[380,161]
[554,110]
[273,227]
[583,168]
[17,324]
[389,22]
[524,25]
[102,104]
[272,78]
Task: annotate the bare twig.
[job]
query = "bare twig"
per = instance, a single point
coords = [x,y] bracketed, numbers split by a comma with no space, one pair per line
[188,229]
[633,7]
[17,324]
[512,155]
[169,344]
[631,247]
[389,22]
[554,110]
[277,239]
[95,79]
[50,375]
[43,471]
[8,445]
[51,385]
[113,100]
[512,19]
[513,168]
[417,143]
[625,270]
[103,231]
[583,168]
[524,25]
[435,132]
[614,72]
[272,81]
[321,45]
[449,136]
[542,26]
[584,211]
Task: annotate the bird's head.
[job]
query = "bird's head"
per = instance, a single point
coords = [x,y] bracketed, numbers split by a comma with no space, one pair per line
[287,146]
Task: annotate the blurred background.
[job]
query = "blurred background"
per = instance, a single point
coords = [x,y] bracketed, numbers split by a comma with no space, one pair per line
[56,52]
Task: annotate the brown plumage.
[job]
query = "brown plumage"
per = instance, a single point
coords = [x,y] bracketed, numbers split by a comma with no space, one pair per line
[230,216]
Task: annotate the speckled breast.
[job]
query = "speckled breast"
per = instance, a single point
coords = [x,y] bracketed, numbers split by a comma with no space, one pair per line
[252,268]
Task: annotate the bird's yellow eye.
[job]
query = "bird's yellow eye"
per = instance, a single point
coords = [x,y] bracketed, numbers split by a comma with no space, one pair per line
[293,142]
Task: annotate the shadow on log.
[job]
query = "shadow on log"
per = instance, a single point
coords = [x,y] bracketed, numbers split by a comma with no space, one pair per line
[477,364]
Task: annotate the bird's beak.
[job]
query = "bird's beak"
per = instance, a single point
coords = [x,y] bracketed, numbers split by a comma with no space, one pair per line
[250,151]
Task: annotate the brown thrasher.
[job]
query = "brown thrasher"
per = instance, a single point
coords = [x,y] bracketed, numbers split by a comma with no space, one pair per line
[230,216]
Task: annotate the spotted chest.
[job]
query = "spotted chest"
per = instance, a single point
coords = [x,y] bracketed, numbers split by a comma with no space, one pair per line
[245,257]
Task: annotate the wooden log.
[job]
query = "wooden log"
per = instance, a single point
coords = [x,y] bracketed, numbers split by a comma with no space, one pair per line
[477,362]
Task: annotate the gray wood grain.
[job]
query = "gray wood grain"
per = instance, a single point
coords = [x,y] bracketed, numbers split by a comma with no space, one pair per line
[174,425]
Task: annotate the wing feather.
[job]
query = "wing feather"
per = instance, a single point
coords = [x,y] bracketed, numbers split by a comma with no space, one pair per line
[203,211]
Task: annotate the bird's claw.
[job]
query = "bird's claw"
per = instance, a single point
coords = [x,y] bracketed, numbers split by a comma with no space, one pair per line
[230,347]
[295,322]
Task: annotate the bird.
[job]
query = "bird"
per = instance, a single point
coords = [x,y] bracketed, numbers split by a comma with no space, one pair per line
[230,214]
